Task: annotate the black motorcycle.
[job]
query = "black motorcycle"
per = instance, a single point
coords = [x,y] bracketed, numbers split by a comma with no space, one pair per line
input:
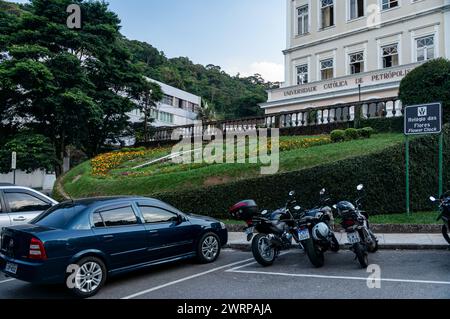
[315,231]
[274,230]
[444,207]
[356,224]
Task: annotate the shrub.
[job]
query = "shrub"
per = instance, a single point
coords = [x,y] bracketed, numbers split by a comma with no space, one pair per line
[428,83]
[351,134]
[384,125]
[382,173]
[366,132]
[337,136]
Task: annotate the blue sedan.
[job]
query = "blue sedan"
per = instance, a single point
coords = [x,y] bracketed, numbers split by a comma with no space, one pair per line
[81,242]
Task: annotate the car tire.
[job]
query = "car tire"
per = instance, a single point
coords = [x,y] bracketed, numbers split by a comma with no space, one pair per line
[89,278]
[208,248]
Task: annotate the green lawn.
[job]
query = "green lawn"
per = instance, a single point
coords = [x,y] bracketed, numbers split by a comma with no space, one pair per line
[420,218]
[80,183]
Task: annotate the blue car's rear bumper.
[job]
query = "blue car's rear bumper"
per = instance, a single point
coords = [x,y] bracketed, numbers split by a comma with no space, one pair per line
[47,272]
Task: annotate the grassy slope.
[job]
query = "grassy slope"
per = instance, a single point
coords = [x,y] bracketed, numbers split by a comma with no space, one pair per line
[79,183]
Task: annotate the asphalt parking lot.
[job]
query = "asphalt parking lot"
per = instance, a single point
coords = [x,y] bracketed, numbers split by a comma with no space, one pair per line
[235,275]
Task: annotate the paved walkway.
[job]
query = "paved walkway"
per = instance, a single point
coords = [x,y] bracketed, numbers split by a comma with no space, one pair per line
[386,241]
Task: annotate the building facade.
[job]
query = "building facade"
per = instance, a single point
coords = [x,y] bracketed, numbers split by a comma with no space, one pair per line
[175,109]
[342,51]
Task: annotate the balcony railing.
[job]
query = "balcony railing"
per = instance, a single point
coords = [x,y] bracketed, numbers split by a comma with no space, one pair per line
[319,116]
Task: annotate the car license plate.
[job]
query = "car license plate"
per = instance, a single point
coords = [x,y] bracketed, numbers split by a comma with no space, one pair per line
[11,268]
[353,238]
[249,230]
[303,234]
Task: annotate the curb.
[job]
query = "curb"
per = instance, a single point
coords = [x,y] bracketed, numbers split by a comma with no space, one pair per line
[247,247]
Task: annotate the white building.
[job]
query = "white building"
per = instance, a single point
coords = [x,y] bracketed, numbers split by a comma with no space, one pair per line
[176,108]
[341,50]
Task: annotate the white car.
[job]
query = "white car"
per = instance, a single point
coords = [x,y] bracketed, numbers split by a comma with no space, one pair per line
[19,205]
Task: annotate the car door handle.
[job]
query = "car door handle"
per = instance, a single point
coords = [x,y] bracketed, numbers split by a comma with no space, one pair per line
[108,237]
[19,219]
[152,231]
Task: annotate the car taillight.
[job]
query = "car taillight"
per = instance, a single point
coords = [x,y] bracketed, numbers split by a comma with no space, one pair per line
[37,250]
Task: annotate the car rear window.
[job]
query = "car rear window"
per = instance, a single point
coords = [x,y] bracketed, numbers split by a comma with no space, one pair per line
[59,216]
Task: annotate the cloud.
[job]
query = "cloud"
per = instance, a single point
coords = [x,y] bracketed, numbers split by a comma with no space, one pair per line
[270,71]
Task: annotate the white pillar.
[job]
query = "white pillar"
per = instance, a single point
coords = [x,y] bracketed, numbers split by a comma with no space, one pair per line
[446,30]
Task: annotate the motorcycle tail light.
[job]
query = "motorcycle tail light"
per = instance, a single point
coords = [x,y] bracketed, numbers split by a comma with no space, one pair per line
[348,223]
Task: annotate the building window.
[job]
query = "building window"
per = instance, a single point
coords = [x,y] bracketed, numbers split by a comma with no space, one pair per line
[356,9]
[302,74]
[425,48]
[327,13]
[167,99]
[303,20]
[390,55]
[356,62]
[326,69]
[388,4]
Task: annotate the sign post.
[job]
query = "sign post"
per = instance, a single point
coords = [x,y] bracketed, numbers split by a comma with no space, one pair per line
[420,120]
[14,165]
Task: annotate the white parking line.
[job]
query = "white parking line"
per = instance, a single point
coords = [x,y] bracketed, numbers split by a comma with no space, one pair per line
[339,277]
[6,280]
[140,293]
[252,263]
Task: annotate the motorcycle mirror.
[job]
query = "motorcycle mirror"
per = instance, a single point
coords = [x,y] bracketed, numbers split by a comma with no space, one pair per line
[335,206]
[360,187]
[433,199]
[264,212]
[291,193]
[297,208]
[323,191]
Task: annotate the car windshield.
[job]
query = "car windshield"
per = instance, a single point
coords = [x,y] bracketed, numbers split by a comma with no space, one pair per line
[59,216]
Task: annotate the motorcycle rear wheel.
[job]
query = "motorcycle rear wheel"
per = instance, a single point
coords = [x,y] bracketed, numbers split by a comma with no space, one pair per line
[374,248]
[361,255]
[262,252]
[445,233]
[335,244]
[316,257]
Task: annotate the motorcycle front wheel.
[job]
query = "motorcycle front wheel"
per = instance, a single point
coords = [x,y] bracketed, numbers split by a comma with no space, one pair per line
[316,257]
[263,251]
[445,233]
[361,254]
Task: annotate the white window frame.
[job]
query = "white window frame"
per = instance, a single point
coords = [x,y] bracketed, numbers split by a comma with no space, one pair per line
[390,8]
[321,69]
[416,49]
[349,8]
[364,60]
[297,33]
[307,73]
[319,13]
[382,56]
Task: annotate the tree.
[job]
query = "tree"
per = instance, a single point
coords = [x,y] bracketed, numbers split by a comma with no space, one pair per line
[34,151]
[147,94]
[72,86]
[428,83]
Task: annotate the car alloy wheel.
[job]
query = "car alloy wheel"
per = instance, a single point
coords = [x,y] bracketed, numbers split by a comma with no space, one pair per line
[89,277]
[210,247]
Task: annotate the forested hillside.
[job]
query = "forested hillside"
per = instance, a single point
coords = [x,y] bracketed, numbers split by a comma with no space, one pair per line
[230,96]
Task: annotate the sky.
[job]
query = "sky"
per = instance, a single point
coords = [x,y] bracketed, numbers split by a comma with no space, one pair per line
[241,36]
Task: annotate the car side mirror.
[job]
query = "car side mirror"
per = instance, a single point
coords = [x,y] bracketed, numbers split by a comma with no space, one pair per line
[179,219]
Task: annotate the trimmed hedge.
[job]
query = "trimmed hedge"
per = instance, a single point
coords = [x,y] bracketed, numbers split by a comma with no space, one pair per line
[351,134]
[382,173]
[388,124]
